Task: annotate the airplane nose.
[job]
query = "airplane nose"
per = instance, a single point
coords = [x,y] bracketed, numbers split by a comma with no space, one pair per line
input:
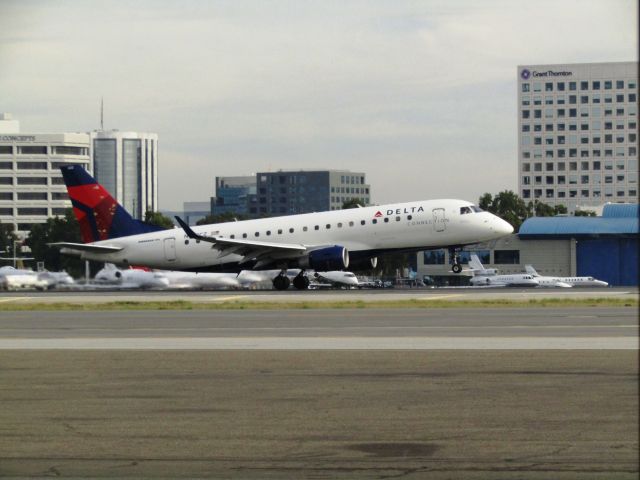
[501,227]
[505,227]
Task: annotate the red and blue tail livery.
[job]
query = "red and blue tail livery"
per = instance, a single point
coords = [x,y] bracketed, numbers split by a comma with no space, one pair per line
[100,216]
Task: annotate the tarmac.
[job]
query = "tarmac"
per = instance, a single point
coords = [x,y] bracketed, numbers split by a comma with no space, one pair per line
[526,393]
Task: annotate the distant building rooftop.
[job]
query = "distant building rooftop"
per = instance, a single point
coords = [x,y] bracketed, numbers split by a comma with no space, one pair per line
[616,219]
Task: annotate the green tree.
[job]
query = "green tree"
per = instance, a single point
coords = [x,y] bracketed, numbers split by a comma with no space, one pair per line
[540,209]
[157,219]
[56,229]
[506,205]
[584,213]
[221,218]
[7,238]
[510,207]
[351,203]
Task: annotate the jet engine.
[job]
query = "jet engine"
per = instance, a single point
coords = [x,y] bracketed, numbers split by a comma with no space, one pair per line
[325,259]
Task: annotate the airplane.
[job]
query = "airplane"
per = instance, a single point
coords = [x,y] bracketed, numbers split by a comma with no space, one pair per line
[333,240]
[17,278]
[56,279]
[546,281]
[130,278]
[337,278]
[489,276]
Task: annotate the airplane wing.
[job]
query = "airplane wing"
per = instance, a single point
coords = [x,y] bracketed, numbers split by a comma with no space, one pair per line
[247,248]
[86,247]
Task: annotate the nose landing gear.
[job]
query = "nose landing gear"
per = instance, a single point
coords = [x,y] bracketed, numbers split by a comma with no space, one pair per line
[456,267]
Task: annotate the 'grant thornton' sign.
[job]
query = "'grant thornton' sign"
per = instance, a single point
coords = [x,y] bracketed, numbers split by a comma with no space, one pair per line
[526,74]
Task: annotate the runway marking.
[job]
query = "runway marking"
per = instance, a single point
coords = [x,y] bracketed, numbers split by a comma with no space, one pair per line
[330,343]
[224,299]
[440,297]
[13,299]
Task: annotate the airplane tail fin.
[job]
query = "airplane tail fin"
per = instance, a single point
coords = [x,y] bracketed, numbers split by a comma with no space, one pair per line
[100,216]
[530,270]
[474,262]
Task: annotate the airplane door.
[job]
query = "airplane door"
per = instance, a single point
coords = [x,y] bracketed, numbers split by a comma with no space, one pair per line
[438,220]
[170,249]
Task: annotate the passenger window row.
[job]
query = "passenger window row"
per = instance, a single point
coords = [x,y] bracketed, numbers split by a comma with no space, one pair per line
[328,226]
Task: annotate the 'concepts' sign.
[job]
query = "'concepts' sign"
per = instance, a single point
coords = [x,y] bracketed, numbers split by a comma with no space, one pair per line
[17,138]
[526,74]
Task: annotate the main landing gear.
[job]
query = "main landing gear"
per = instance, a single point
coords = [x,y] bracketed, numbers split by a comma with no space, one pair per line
[301,281]
[282,282]
[456,267]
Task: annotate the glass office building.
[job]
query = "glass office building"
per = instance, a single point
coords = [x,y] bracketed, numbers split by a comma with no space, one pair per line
[578,133]
[126,164]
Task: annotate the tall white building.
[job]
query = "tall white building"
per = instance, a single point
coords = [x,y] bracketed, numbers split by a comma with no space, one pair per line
[31,185]
[126,164]
[578,133]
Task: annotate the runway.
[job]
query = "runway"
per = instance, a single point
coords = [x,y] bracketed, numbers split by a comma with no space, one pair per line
[501,393]
[448,328]
[451,294]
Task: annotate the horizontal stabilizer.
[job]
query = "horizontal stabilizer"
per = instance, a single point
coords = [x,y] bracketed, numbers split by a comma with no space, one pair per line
[86,247]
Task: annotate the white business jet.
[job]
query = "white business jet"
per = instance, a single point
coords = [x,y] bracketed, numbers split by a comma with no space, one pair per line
[489,277]
[547,281]
[324,241]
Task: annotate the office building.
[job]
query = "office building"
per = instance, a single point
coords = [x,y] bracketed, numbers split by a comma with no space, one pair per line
[31,185]
[301,191]
[578,133]
[235,195]
[126,164]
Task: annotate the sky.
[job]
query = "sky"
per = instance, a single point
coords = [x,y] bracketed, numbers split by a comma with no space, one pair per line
[420,95]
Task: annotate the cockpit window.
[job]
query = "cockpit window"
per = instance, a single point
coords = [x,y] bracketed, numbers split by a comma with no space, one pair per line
[476,209]
[465,210]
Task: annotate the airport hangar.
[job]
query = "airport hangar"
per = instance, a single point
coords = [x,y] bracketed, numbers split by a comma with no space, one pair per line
[604,247]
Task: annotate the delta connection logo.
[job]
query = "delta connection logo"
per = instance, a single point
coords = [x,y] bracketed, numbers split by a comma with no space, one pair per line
[525,74]
[378,214]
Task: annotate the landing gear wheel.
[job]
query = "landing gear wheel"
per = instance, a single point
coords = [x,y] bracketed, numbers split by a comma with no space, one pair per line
[301,282]
[457,268]
[281,282]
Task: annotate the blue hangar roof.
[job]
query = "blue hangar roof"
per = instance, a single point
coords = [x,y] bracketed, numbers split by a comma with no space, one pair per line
[616,219]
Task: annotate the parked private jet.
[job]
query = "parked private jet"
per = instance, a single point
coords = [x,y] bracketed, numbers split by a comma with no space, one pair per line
[323,241]
[133,278]
[489,276]
[547,281]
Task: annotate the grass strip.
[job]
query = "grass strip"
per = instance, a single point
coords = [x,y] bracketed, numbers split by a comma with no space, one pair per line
[319,305]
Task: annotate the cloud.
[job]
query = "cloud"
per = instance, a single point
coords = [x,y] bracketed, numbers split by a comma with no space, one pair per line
[416,94]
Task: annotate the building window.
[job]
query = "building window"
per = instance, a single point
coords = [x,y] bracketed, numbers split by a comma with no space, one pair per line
[32,180]
[506,257]
[32,211]
[32,165]
[32,150]
[6,150]
[6,166]
[433,257]
[69,150]
[32,195]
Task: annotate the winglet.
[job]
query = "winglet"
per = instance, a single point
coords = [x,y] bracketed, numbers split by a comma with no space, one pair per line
[187,229]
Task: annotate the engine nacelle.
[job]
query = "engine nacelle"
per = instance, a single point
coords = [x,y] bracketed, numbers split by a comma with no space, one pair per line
[326,259]
[364,264]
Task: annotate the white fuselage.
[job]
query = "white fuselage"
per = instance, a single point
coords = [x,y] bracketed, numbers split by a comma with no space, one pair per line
[362,231]
[511,280]
[570,282]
